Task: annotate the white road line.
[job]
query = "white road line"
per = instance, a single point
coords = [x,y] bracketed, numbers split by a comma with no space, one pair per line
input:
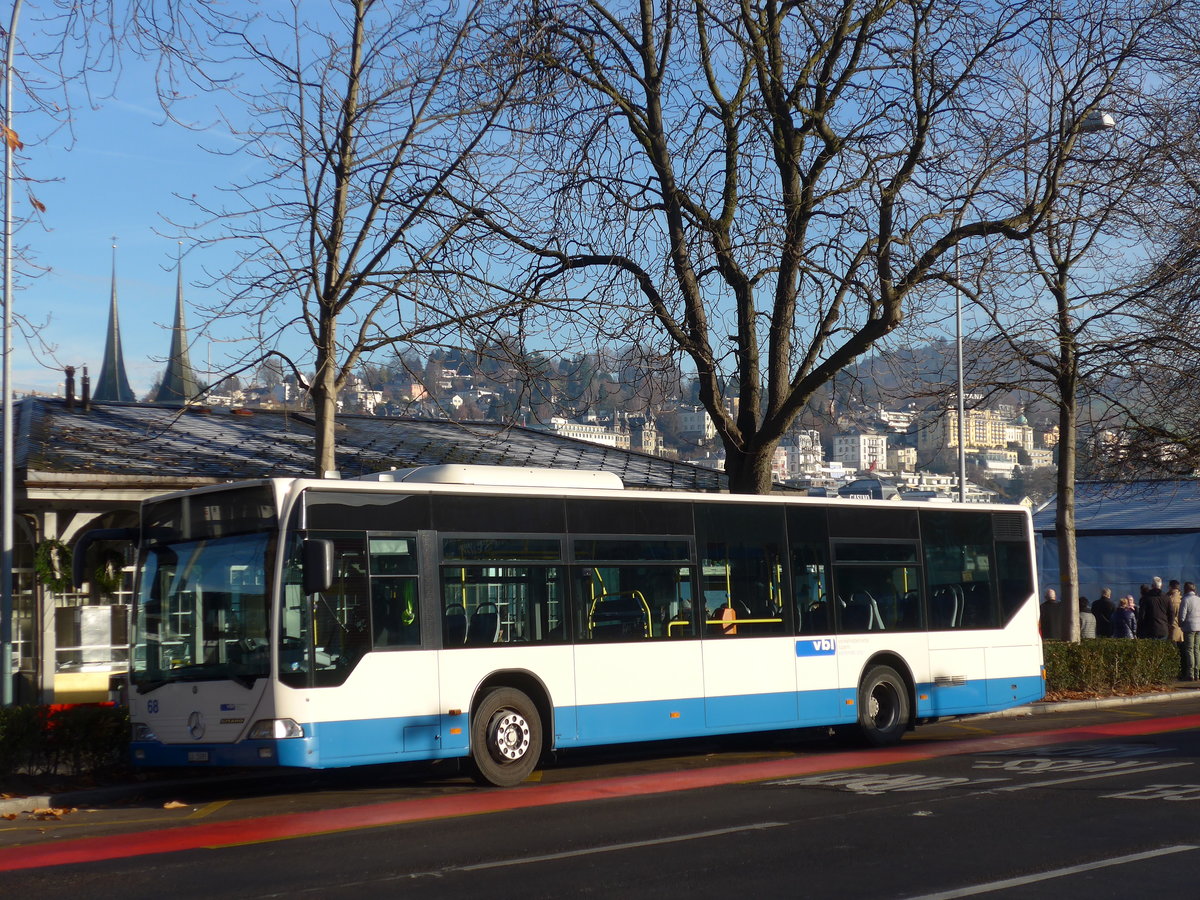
[1038,784]
[990,886]
[501,863]
[611,848]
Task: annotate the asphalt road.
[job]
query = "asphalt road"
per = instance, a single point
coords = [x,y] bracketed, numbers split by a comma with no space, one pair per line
[1096,803]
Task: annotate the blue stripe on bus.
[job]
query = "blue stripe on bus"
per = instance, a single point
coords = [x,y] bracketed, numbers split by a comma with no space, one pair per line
[364,741]
[978,696]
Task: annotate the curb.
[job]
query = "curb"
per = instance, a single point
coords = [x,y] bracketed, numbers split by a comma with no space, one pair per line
[18,805]
[109,793]
[1041,708]
[66,799]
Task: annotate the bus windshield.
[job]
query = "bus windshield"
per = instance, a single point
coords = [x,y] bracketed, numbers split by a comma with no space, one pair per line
[203,611]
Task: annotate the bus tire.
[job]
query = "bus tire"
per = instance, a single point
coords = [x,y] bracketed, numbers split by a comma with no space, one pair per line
[506,738]
[883,707]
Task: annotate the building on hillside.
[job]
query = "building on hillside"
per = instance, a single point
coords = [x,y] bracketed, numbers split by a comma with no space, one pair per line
[583,431]
[860,451]
[779,465]
[1041,457]
[1019,433]
[358,396]
[896,421]
[984,429]
[695,424]
[713,460]
[995,461]
[644,436]
[805,452]
[901,459]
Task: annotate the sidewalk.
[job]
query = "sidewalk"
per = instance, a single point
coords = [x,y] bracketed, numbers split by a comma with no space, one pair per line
[116,793]
[1180,690]
[165,788]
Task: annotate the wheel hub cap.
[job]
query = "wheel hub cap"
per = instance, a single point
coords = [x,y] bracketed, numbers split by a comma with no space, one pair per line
[512,735]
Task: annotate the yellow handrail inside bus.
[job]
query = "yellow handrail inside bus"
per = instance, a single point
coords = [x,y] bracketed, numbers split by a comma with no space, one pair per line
[634,594]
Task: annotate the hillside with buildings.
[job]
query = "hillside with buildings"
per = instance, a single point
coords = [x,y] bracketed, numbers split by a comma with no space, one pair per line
[893,419]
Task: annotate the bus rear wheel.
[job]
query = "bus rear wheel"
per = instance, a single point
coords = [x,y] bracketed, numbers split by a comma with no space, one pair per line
[883,707]
[506,738]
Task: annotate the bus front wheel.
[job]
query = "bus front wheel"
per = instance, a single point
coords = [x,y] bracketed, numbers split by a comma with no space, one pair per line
[506,738]
[883,711]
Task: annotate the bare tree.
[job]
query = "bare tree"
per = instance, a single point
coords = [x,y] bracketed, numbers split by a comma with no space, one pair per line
[1066,306]
[354,124]
[1160,439]
[764,189]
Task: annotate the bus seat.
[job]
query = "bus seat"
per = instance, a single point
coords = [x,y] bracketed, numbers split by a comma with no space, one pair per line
[862,613]
[619,616]
[944,606]
[454,625]
[910,611]
[484,627]
[977,607]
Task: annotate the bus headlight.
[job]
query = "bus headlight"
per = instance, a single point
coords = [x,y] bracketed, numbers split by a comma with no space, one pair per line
[143,732]
[266,729]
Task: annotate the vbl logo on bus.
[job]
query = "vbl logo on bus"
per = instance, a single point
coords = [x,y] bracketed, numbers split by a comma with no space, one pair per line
[816,647]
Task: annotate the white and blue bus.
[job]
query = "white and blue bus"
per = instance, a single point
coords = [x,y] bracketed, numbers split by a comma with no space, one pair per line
[497,614]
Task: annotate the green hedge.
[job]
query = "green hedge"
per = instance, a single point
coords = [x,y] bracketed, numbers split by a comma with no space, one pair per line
[73,740]
[1109,665]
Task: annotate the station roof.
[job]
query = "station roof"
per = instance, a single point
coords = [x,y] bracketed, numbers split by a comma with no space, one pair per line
[1169,506]
[131,442]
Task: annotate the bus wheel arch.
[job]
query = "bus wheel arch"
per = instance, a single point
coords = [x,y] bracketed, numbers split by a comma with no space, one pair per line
[886,701]
[511,718]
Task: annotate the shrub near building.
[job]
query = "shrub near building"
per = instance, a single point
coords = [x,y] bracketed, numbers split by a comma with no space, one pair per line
[1109,666]
[62,740]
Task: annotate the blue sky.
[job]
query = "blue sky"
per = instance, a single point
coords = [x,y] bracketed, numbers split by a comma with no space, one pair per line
[120,176]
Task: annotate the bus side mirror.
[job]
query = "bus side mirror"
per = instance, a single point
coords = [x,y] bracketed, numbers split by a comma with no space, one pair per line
[318,565]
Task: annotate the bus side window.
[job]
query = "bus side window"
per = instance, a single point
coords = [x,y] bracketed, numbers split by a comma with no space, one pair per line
[743,579]
[634,602]
[502,604]
[394,612]
[812,607]
[341,616]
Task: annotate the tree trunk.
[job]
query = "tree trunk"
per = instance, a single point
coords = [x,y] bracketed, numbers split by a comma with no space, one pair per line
[324,393]
[1064,522]
[749,471]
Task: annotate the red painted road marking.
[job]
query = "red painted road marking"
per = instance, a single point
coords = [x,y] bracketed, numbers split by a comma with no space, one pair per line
[293,825]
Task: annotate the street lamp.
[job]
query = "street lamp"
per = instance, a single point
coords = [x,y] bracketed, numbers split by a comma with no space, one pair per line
[1092,123]
[6,505]
[962,400]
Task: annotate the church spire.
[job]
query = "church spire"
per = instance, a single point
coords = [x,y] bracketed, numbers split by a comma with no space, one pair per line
[179,386]
[112,384]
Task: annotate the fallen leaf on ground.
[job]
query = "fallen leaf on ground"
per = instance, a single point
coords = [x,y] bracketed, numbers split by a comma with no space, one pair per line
[50,812]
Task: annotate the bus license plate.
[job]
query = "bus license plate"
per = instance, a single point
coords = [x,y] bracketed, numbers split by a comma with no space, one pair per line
[197,756]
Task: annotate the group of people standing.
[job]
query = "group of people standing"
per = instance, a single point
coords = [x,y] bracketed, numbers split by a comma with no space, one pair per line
[1164,614]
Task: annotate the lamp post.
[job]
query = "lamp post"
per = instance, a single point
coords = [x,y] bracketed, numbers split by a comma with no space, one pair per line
[962,400]
[1093,122]
[6,506]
